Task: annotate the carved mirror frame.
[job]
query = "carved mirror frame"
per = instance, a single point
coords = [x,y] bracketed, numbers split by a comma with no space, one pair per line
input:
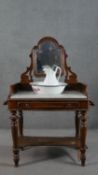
[48,54]
[27,76]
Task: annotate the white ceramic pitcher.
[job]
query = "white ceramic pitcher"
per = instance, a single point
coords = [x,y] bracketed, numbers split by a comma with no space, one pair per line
[51,78]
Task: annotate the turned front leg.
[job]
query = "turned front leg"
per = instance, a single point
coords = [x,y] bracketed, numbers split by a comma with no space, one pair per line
[14,129]
[83,133]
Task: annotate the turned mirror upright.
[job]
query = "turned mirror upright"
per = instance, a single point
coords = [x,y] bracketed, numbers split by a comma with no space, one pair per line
[22,98]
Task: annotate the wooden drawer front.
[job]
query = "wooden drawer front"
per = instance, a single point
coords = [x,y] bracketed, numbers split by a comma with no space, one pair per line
[46,105]
[72,105]
[24,105]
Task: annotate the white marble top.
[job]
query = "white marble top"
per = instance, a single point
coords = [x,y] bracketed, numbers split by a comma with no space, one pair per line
[30,95]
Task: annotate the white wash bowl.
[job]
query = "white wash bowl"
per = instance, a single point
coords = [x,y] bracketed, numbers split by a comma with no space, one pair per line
[41,88]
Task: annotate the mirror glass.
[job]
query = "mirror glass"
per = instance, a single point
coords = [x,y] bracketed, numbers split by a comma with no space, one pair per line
[47,54]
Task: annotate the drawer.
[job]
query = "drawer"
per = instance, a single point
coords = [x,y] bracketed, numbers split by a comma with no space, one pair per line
[24,105]
[48,105]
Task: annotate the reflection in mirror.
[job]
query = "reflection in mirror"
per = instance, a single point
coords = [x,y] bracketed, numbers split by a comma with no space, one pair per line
[47,54]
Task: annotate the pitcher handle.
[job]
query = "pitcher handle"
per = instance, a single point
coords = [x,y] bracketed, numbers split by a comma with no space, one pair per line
[56,70]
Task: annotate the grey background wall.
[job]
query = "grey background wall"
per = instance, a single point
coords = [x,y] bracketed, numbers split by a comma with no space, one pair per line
[74,23]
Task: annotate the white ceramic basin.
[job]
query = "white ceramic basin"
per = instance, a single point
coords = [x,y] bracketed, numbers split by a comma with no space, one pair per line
[41,88]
